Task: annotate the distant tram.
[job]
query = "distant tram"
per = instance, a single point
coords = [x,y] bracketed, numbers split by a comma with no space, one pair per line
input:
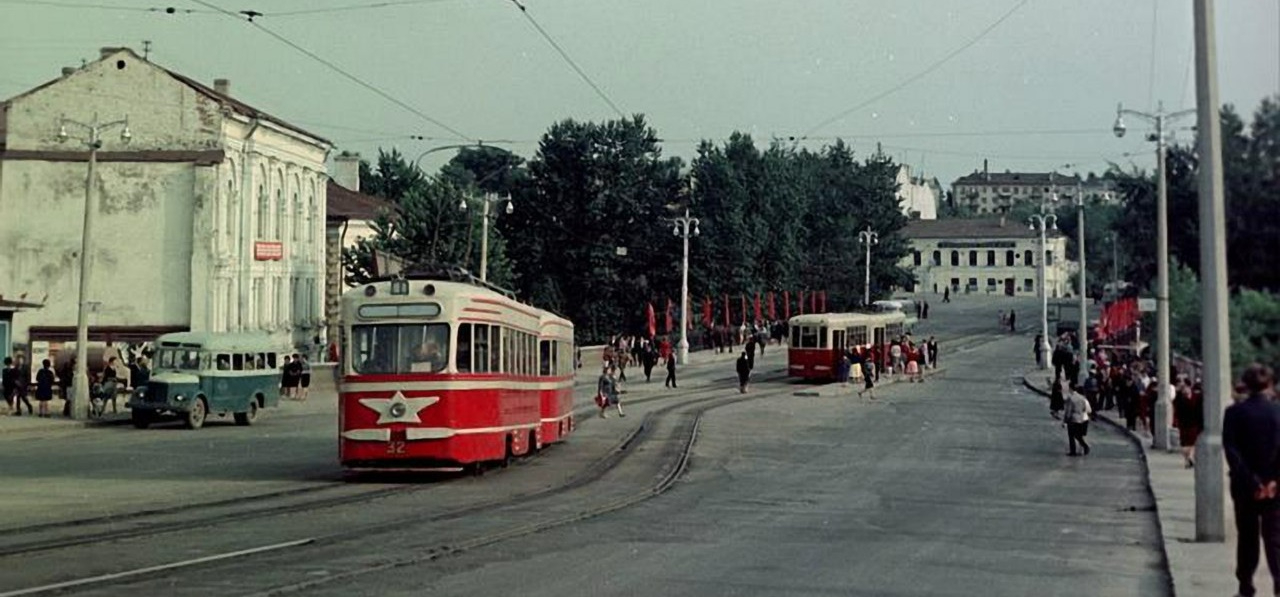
[818,340]
[443,371]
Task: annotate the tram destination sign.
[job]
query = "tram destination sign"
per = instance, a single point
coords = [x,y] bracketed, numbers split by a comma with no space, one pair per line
[977,244]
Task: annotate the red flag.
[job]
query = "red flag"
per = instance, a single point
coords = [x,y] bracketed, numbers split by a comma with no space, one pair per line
[669,316]
[651,321]
[800,301]
[773,313]
[726,311]
[822,301]
[813,301]
[744,308]
[757,306]
[706,312]
[786,305]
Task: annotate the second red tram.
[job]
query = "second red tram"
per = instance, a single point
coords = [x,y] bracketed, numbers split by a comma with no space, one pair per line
[440,372]
[818,340]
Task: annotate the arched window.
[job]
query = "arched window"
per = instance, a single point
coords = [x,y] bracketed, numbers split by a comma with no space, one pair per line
[311,213]
[937,257]
[1027,259]
[955,258]
[264,210]
[297,209]
[1008,258]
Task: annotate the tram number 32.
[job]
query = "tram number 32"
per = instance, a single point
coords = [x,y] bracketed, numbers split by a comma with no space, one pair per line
[395,447]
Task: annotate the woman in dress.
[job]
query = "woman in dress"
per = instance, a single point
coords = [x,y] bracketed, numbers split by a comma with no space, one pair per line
[44,386]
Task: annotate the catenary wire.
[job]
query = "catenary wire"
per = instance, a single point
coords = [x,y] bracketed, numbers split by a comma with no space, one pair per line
[565,55]
[350,7]
[337,69]
[62,4]
[923,73]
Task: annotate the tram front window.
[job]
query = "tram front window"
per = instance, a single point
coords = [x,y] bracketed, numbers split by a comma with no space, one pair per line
[400,348]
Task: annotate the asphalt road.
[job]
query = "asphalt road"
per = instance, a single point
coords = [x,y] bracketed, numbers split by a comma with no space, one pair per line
[958,486]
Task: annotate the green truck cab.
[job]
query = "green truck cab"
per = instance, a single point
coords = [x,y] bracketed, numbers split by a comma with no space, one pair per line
[197,374]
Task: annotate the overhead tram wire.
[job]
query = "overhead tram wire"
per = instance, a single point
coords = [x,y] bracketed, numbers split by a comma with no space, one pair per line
[565,55]
[920,75]
[336,68]
[82,5]
[351,7]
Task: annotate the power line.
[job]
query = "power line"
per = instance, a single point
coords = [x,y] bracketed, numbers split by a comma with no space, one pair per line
[335,68]
[62,4]
[920,75]
[567,59]
[350,7]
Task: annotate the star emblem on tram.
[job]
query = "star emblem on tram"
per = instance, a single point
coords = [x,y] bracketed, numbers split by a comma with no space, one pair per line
[398,409]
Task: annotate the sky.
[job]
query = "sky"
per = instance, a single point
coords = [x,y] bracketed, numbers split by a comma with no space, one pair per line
[1030,85]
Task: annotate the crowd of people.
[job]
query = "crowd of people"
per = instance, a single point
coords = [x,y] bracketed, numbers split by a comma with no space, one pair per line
[16,383]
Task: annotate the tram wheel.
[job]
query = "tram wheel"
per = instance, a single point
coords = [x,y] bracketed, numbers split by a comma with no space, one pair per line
[506,453]
[533,443]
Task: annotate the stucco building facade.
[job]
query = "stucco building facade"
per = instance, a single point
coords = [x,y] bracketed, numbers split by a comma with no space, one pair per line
[984,256]
[210,218]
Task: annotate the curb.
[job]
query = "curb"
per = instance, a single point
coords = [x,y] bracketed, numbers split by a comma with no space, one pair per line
[1139,442]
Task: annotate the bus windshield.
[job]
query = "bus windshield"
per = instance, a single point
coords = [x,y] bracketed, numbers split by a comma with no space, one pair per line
[400,348]
[182,359]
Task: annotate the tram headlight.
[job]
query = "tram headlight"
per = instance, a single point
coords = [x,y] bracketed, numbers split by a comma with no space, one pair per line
[398,409]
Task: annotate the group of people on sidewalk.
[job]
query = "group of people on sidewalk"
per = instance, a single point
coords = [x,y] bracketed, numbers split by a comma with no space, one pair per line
[105,385]
[901,356]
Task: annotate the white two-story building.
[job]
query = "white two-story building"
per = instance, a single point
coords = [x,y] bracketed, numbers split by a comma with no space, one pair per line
[987,256]
[211,216]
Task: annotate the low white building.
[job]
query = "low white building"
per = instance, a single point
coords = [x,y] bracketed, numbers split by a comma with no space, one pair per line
[987,256]
[918,197]
[211,217]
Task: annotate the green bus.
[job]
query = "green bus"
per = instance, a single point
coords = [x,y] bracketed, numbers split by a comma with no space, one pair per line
[197,374]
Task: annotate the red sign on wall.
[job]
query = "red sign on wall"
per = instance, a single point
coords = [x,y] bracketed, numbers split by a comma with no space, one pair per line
[268,250]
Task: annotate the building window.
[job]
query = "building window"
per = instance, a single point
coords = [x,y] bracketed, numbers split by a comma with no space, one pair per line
[1008,258]
[991,284]
[311,214]
[1027,260]
[973,283]
[915,255]
[973,258]
[991,258]
[297,212]
[1048,258]
[955,258]
[1028,284]
[937,257]
[278,232]
[955,283]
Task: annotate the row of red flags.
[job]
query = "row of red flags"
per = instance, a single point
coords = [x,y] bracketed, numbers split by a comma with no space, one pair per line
[817,304]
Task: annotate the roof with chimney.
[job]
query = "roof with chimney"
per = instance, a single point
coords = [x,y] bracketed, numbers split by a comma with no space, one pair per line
[1042,179]
[345,204]
[969,228]
[225,100]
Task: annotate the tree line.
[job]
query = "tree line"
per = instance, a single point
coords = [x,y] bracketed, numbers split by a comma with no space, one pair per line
[590,230]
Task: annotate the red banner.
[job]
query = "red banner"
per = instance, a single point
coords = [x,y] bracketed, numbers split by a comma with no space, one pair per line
[800,301]
[744,308]
[706,312]
[1119,316]
[265,250]
[773,313]
[651,321]
[813,301]
[757,306]
[786,305]
[669,308]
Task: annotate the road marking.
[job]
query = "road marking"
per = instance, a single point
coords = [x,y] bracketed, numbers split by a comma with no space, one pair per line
[126,574]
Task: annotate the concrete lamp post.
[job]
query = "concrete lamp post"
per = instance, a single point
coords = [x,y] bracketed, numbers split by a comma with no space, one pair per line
[486,201]
[1163,411]
[1042,222]
[867,237]
[93,140]
[685,227]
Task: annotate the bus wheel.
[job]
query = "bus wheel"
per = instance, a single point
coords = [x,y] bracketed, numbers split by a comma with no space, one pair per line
[195,416]
[141,418]
[248,417]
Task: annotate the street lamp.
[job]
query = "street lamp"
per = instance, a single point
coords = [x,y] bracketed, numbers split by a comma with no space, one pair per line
[1043,221]
[93,140]
[487,200]
[867,237]
[684,227]
[1163,414]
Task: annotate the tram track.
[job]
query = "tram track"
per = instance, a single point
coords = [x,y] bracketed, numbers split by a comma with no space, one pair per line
[593,472]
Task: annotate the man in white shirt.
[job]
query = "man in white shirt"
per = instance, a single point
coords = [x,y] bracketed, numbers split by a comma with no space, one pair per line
[1076,419]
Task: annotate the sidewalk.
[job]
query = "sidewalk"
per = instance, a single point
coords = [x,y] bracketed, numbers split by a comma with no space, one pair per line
[11,424]
[1196,568]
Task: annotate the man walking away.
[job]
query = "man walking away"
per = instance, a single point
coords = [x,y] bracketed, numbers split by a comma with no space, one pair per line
[1251,443]
[744,372]
[933,352]
[1013,321]
[1076,420]
[946,294]
[22,380]
[671,372]
[9,383]
[751,352]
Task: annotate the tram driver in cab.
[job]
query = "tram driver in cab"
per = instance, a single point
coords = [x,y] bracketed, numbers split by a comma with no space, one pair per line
[429,357]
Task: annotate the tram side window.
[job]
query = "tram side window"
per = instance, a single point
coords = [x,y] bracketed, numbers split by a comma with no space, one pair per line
[250,362]
[858,335]
[495,339]
[795,336]
[822,337]
[463,360]
[224,362]
[482,348]
[271,360]
[237,362]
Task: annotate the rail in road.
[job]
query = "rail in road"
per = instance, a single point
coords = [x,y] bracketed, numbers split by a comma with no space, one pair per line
[61,547]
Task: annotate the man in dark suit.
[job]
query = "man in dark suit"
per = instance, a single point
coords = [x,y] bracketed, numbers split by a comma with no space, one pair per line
[1251,442]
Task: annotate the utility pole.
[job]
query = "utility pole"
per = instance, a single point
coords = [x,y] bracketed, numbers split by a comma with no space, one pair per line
[1041,222]
[868,238]
[1210,501]
[80,387]
[684,228]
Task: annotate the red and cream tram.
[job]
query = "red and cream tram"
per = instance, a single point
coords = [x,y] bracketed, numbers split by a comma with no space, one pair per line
[442,371]
[817,340]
